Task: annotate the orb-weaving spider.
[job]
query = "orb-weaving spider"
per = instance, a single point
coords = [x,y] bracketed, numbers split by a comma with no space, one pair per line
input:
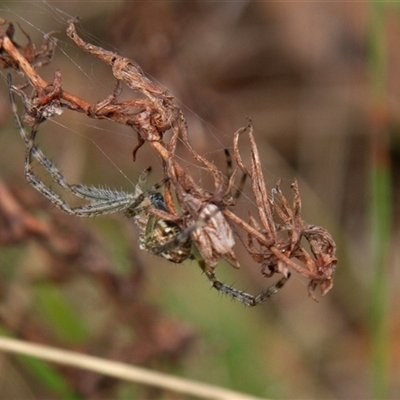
[160,233]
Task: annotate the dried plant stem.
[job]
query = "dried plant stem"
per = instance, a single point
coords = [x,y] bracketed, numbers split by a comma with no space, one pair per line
[380,207]
[120,370]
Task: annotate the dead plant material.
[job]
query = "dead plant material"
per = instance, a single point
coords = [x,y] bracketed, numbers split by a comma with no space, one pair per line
[275,239]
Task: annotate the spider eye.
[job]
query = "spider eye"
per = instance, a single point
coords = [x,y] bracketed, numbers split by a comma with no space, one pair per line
[157,200]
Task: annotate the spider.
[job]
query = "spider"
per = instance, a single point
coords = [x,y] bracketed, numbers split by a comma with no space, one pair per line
[201,233]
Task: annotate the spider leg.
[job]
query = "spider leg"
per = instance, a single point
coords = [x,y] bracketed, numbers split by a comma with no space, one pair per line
[239,295]
[109,201]
[101,200]
[240,187]
[33,149]
[231,173]
[36,183]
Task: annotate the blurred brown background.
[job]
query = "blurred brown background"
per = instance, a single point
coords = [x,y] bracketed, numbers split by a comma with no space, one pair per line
[301,72]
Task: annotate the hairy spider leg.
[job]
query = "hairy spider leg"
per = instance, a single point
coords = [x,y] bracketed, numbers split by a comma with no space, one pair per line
[239,295]
[101,201]
[231,176]
[184,235]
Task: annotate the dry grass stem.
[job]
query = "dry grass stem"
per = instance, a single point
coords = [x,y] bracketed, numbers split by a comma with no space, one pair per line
[120,370]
